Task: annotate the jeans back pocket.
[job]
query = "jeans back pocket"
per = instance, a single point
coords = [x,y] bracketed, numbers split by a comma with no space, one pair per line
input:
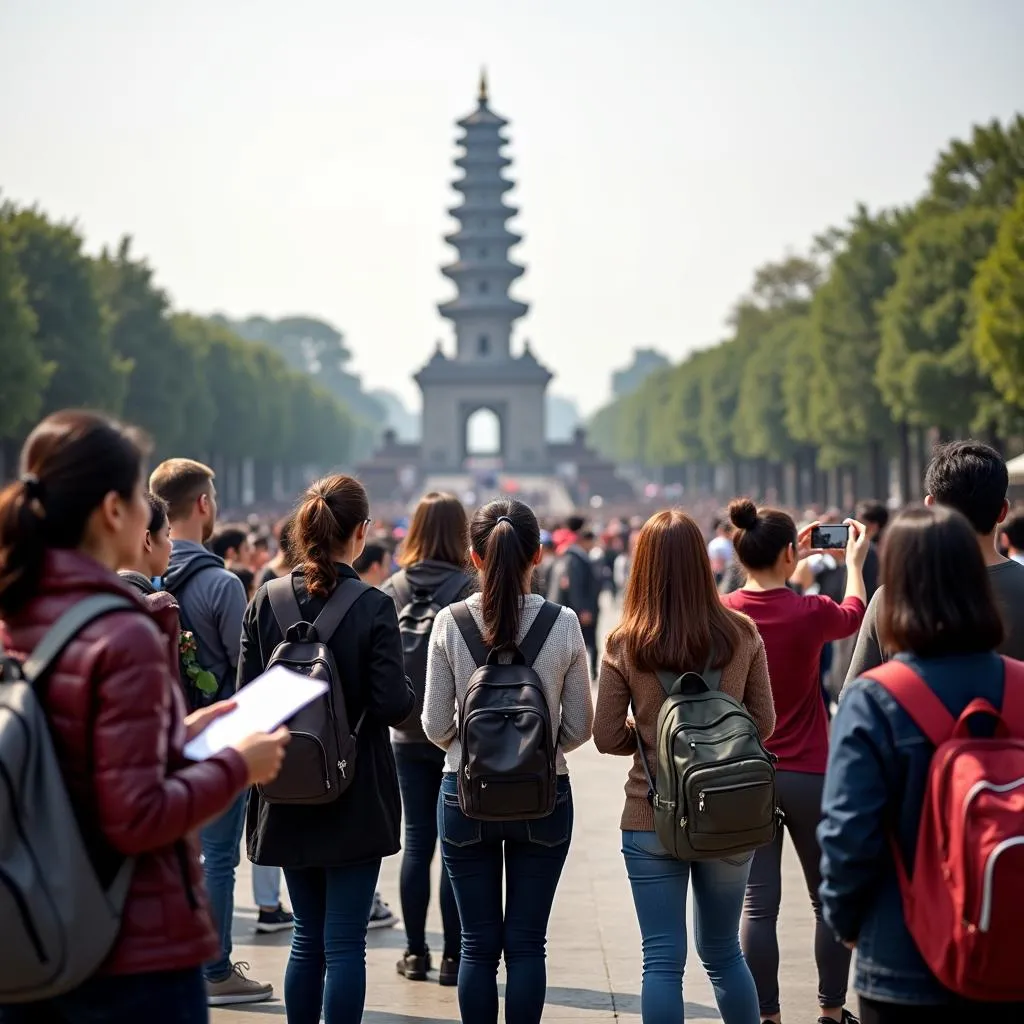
[455,828]
[556,828]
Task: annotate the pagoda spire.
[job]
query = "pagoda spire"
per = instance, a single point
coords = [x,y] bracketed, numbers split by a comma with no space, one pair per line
[483,97]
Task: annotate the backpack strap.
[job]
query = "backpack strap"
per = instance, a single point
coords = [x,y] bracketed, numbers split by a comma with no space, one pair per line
[284,604]
[652,793]
[338,605]
[470,632]
[450,588]
[673,684]
[403,591]
[198,564]
[539,631]
[67,627]
[916,698]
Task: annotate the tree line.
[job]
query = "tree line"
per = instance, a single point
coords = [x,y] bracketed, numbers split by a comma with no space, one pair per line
[901,327]
[97,332]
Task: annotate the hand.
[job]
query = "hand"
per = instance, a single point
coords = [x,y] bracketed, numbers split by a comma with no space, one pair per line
[803,542]
[199,720]
[631,722]
[858,544]
[263,754]
[586,618]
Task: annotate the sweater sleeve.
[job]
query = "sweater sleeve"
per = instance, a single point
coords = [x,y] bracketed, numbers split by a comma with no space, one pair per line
[868,652]
[757,694]
[577,705]
[611,734]
[439,702]
[835,621]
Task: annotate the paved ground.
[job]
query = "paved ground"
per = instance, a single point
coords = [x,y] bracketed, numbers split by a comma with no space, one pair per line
[594,961]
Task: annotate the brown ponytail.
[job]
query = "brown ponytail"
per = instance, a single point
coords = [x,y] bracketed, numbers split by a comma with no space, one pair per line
[506,537]
[329,514]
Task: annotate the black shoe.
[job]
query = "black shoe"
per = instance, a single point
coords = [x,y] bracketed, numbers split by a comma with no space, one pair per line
[414,968]
[448,973]
[271,921]
[848,1018]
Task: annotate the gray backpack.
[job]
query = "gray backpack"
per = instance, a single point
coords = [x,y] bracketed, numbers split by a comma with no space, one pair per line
[59,921]
[715,792]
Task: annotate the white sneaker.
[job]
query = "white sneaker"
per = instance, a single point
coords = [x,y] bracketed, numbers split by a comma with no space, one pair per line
[381,916]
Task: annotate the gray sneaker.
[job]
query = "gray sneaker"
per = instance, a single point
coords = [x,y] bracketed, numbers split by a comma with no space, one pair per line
[237,988]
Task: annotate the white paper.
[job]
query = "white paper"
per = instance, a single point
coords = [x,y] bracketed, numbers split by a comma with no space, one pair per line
[263,705]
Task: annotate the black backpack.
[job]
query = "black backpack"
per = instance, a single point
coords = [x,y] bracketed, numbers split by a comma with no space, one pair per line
[319,762]
[715,794]
[508,745]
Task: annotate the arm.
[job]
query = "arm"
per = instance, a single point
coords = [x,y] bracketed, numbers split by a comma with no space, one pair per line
[611,734]
[228,600]
[140,806]
[854,804]
[868,652]
[391,698]
[757,694]
[439,704]
[577,704]
[835,621]
[250,657]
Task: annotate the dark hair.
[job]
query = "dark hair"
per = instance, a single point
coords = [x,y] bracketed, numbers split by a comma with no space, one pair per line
[873,512]
[672,616]
[938,597]
[261,541]
[180,482]
[227,538]
[439,532]
[69,464]
[506,538]
[285,532]
[972,478]
[157,512]
[328,515]
[761,534]
[373,554]
[1013,528]
[575,523]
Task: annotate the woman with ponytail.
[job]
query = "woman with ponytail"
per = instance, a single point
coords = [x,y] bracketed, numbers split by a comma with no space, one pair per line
[528,855]
[331,852]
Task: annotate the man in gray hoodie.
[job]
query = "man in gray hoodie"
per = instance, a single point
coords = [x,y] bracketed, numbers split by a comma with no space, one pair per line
[212,602]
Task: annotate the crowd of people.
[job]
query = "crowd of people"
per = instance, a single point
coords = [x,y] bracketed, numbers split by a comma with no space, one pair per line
[460,654]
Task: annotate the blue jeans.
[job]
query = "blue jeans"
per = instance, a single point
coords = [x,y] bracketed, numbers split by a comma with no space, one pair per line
[530,856]
[266,886]
[327,966]
[419,776]
[163,997]
[659,883]
[222,842]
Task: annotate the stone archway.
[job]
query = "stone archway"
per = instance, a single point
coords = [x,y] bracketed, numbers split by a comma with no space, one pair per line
[483,431]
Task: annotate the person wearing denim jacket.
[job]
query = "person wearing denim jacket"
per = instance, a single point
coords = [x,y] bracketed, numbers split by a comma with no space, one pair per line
[940,616]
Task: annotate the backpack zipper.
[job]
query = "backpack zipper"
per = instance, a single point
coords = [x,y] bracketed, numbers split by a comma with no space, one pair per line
[702,795]
[985,917]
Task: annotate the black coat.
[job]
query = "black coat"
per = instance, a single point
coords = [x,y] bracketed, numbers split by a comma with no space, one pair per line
[363,823]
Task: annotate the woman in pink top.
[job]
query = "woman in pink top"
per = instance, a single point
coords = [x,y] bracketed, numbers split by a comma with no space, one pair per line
[794,628]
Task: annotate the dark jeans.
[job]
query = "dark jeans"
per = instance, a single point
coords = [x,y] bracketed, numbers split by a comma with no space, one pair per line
[222,842]
[590,639]
[530,855]
[420,767]
[163,997]
[800,799]
[963,1011]
[327,966]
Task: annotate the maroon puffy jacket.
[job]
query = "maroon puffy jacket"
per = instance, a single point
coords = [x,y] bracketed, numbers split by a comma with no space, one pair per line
[132,789]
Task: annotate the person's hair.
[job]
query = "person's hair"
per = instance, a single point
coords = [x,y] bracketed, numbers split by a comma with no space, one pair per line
[506,537]
[373,554]
[938,597]
[873,512]
[972,478]
[588,535]
[1013,528]
[180,482]
[575,523]
[69,464]
[285,535]
[439,532]
[761,535]
[157,512]
[260,541]
[327,516]
[672,615]
[227,537]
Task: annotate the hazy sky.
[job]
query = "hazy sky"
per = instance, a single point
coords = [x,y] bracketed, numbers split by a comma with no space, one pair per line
[296,157]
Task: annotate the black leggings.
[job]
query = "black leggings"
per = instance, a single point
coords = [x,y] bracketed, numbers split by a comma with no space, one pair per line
[963,1011]
[800,800]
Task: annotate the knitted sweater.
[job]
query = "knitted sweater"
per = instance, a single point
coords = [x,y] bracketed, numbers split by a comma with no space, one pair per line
[561,666]
[745,678]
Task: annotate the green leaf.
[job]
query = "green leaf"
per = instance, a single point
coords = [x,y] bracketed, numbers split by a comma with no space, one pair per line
[206,682]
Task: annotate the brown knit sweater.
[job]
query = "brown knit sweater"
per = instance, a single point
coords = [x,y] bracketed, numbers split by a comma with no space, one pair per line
[745,678]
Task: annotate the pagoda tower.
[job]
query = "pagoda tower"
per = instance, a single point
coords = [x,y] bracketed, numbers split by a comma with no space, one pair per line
[484,373]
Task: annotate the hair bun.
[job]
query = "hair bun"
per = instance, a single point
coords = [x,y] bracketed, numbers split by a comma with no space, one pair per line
[743,513]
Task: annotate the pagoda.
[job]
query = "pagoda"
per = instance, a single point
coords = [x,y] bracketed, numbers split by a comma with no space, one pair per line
[483,373]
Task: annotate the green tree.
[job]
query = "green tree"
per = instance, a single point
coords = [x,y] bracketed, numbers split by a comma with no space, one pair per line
[999,303]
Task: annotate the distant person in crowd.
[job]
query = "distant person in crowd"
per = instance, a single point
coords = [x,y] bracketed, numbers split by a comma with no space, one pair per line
[1013,532]
[283,562]
[972,478]
[940,619]
[153,556]
[331,852]
[575,584]
[233,545]
[795,628]
[875,516]
[542,574]
[78,513]
[505,873]
[433,574]
[211,601]
[672,619]
[720,547]
[259,552]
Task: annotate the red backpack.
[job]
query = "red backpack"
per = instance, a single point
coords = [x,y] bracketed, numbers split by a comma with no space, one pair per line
[962,900]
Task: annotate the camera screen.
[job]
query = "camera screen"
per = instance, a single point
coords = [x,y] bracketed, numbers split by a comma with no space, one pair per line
[831,537]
